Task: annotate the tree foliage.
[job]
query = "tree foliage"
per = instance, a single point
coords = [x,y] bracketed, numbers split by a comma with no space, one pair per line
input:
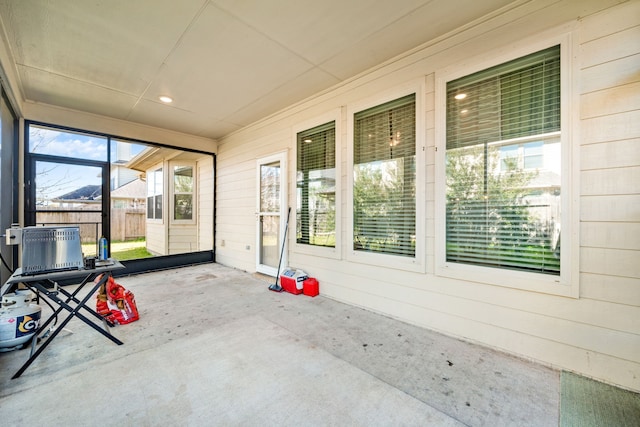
[488,216]
[384,206]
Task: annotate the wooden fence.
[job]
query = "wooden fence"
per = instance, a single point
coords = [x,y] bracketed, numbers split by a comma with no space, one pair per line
[126,224]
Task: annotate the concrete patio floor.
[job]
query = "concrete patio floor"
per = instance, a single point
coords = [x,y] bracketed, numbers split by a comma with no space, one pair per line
[214,347]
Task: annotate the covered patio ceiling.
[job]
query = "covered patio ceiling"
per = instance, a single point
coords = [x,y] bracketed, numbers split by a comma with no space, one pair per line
[225,63]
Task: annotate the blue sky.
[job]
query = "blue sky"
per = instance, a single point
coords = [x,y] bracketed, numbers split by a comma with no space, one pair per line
[53,179]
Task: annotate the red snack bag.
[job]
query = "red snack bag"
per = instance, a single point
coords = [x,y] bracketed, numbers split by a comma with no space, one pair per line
[116,304]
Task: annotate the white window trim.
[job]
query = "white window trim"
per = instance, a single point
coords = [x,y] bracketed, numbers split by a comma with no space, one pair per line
[171,201]
[414,264]
[327,252]
[567,283]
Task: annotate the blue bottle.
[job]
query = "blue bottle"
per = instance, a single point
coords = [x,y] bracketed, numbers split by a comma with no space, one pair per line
[102,252]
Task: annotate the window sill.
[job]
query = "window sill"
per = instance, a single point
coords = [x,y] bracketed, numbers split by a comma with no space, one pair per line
[319,251]
[533,282]
[396,262]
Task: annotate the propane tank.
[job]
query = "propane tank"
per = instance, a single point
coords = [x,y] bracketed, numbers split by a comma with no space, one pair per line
[19,319]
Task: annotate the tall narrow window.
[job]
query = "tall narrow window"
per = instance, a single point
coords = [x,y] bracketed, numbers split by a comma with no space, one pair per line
[316,186]
[384,178]
[502,165]
[183,193]
[154,194]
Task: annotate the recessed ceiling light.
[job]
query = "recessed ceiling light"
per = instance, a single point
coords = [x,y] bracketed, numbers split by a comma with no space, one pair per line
[166,99]
[460,96]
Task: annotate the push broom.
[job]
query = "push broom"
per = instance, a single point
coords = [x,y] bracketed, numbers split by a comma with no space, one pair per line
[276,286]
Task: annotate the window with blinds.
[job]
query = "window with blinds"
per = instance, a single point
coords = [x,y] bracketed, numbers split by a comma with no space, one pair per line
[384,178]
[316,186]
[503,165]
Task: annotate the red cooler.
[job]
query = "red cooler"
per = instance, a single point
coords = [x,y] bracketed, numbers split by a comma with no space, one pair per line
[292,281]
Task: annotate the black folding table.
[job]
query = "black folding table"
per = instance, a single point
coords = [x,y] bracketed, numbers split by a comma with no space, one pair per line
[46,285]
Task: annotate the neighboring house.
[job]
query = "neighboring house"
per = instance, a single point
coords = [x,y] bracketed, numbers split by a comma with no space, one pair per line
[128,207]
[132,195]
[83,196]
[128,196]
[120,174]
[179,199]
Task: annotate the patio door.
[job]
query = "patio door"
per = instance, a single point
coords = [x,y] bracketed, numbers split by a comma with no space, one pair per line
[271,202]
[69,191]
[67,181]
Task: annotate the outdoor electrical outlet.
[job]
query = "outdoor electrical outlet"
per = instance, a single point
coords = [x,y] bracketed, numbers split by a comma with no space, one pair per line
[221,242]
[248,247]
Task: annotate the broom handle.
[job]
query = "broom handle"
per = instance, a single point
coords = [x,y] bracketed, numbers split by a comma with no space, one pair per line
[284,240]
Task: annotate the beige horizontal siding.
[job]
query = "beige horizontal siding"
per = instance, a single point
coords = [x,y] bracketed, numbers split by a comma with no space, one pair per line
[617,99]
[609,181]
[610,154]
[609,21]
[610,47]
[618,181]
[610,128]
[156,237]
[597,334]
[205,204]
[610,74]
[620,235]
[610,208]
[619,290]
[612,262]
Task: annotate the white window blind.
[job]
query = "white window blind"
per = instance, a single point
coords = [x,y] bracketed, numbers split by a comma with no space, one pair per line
[384,174]
[316,186]
[503,205]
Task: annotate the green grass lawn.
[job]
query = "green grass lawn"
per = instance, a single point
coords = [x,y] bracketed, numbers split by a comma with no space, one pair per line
[131,253]
[122,251]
